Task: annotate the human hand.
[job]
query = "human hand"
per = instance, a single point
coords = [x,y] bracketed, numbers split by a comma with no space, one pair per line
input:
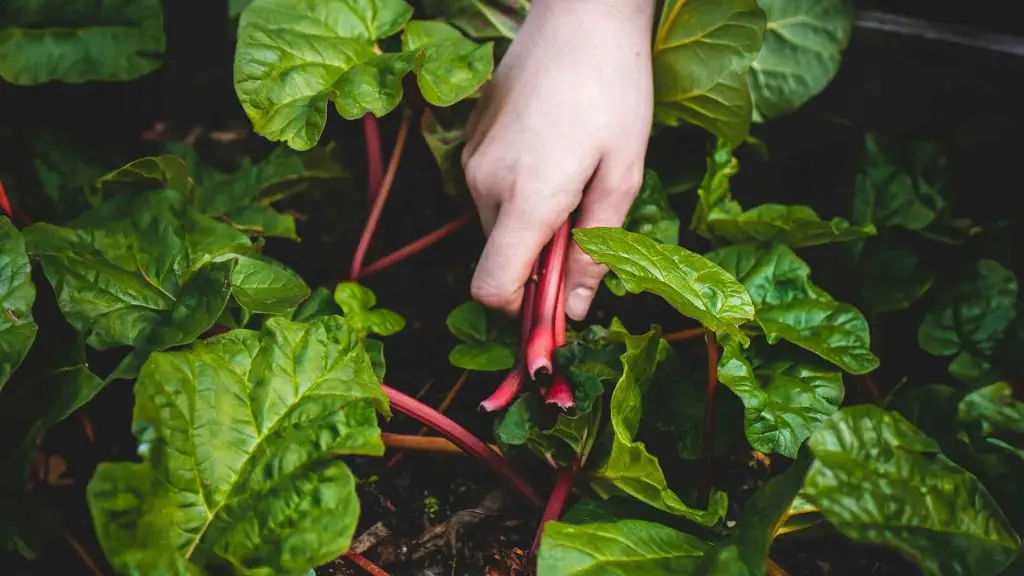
[564,123]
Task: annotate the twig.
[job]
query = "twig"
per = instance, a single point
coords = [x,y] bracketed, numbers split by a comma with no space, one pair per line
[464,440]
[80,550]
[370,538]
[415,247]
[375,165]
[424,443]
[441,408]
[365,564]
[688,334]
[709,417]
[382,196]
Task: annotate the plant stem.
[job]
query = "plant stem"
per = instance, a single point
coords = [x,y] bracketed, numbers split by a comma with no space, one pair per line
[560,392]
[541,343]
[365,564]
[464,440]
[509,387]
[374,162]
[688,334]
[420,443]
[709,417]
[556,501]
[773,569]
[382,196]
[80,551]
[5,202]
[448,398]
[416,247]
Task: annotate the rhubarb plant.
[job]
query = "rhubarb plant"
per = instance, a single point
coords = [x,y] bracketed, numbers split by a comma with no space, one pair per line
[759,361]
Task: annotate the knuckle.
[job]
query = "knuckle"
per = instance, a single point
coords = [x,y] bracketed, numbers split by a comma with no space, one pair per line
[628,180]
[491,296]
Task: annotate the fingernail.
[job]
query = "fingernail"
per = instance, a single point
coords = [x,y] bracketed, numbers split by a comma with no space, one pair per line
[578,303]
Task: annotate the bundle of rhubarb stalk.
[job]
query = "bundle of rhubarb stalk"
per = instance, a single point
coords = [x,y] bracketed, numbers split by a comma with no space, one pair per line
[543,330]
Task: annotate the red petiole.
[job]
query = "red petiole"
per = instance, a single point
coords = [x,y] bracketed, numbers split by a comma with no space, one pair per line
[541,343]
[375,164]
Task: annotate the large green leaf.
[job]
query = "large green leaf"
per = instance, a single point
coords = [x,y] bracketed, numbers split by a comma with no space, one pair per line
[790,307]
[239,437]
[79,40]
[149,173]
[629,469]
[121,270]
[692,284]
[714,189]
[879,479]
[17,294]
[970,319]
[803,46]
[703,50]
[794,226]
[488,339]
[292,58]
[568,440]
[622,548]
[783,400]
[264,286]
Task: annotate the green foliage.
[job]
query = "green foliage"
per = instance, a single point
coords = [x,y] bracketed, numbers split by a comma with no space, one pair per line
[803,45]
[619,548]
[17,293]
[358,303]
[790,307]
[703,50]
[244,474]
[292,59]
[879,479]
[488,340]
[79,41]
[692,284]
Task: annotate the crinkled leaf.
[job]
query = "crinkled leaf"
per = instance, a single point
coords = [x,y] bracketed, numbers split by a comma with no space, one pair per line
[971,318]
[264,286]
[481,19]
[703,50]
[629,469]
[784,401]
[993,409]
[879,479]
[17,294]
[789,307]
[238,437]
[794,226]
[893,278]
[67,170]
[50,40]
[120,270]
[803,46]
[488,340]
[293,58]
[445,144]
[358,302]
[622,548]
[692,284]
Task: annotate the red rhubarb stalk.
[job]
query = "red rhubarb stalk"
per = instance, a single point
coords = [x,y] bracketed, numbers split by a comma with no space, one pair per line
[560,393]
[556,501]
[709,417]
[5,203]
[374,162]
[541,342]
[415,247]
[506,392]
[464,439]
[382,196]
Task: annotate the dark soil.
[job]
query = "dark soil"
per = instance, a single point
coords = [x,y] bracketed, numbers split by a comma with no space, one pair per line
[887,83]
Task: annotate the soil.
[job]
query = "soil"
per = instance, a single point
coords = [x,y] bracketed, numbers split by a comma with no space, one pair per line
[902,86]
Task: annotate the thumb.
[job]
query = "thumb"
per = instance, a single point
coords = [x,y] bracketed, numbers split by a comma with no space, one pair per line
[606,204]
